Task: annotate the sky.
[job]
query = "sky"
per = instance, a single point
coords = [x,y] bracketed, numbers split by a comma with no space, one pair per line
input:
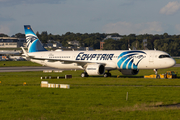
[91,16]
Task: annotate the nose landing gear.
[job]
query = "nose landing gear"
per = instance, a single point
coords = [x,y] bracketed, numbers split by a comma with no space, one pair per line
[155,70]
[156,73]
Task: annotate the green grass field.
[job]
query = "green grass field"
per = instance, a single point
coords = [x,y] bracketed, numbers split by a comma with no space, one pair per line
[90,98]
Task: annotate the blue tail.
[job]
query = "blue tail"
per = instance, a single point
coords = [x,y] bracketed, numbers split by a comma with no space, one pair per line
[33,43]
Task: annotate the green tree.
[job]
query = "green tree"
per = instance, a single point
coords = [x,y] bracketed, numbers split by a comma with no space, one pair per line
[111,44]
[20,35]
[3,35]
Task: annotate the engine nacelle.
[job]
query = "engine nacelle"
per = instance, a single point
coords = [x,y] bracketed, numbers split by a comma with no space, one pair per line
[129,72]
[95,69]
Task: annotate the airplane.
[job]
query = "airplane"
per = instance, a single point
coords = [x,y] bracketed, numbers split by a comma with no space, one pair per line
[128,62]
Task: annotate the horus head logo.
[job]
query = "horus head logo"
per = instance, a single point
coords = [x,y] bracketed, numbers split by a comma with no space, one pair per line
[130,59]
[30,39]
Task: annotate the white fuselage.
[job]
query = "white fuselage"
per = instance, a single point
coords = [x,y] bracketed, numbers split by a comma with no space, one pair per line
[112,59]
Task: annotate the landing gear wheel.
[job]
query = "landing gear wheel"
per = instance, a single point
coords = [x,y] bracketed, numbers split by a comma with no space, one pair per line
[84,74]
[107,74]
[165,75]
[158,77]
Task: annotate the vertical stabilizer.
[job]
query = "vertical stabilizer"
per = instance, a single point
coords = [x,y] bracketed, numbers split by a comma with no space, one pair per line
[33,43]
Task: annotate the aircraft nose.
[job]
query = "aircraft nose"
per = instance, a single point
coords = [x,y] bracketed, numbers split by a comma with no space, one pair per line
[171,63]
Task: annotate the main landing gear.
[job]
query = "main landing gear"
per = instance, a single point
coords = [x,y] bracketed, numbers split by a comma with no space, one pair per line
[107,74]
[84,74]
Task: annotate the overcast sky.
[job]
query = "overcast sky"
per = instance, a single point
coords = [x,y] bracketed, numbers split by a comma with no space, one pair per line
[90,16]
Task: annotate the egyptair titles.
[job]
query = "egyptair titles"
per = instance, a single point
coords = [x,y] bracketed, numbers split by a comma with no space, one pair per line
[82,56]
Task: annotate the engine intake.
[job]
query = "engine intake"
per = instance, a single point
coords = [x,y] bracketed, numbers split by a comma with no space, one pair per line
[95,69]
[129,72]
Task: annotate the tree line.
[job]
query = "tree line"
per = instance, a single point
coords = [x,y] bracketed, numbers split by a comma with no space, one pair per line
[164,42]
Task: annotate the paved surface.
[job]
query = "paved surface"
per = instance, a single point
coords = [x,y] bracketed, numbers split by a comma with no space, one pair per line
[177,65]
[20,69]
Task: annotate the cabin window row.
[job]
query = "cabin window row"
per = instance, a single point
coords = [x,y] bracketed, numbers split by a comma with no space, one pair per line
[60,57]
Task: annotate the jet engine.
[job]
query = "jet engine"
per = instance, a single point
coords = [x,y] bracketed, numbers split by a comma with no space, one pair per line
[129,72]
[95,69]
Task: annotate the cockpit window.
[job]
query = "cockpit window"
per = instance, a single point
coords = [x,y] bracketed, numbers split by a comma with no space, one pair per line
[164,56]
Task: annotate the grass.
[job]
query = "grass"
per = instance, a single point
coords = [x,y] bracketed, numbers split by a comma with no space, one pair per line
[94,97]
[93,102]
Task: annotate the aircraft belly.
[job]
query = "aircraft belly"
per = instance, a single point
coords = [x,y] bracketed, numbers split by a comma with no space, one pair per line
[57,64]
[110,65]
[61,65]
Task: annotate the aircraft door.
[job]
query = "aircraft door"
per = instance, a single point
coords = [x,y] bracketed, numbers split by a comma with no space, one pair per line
[151,57]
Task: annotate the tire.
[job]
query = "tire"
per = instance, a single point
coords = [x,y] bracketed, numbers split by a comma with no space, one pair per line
[105,74]
[86,75]
[83,75]
[165,76]
[109,74]
[158,77]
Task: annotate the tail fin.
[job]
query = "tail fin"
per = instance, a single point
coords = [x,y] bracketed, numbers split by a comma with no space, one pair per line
[33,43]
